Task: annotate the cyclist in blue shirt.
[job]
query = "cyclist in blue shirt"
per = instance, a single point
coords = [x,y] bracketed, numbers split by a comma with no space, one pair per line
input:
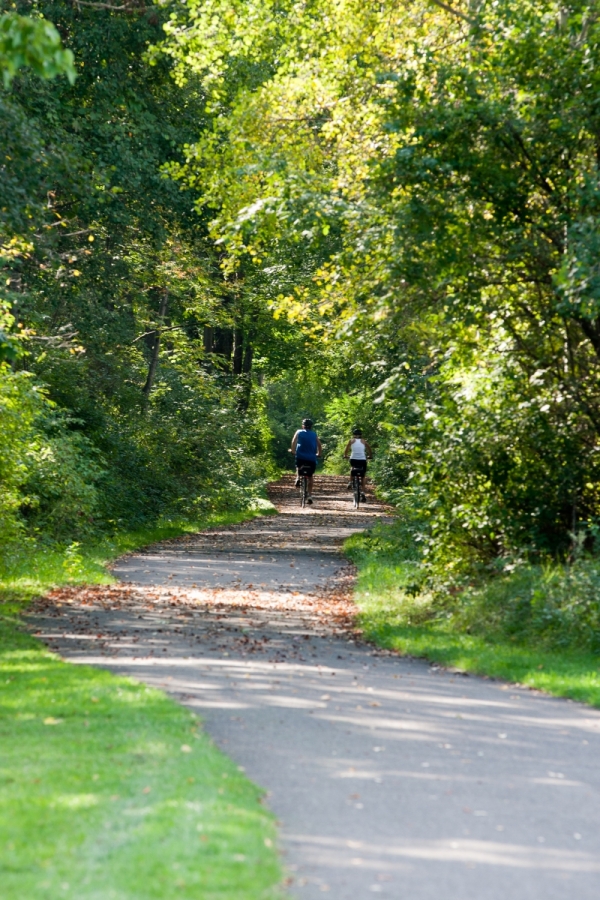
[307,447]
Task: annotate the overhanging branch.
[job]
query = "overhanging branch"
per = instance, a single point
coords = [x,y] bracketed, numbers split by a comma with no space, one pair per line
[133,6]
[459,14]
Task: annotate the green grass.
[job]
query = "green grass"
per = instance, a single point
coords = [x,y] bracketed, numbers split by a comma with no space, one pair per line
[108,789]
[396,616]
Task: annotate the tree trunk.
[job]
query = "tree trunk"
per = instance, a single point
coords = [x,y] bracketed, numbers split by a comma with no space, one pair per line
[591,331]
[209,335]
[238,351]
[154,352]
[245,382]
[247,367]
[222,342]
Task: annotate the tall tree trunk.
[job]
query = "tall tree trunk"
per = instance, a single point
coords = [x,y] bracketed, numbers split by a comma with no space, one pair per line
[222,340]
[238,351]
[154,352]
[247,367]
[209,336]
[246,380]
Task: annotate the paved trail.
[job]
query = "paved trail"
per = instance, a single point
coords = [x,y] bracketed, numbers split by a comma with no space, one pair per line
[389,776]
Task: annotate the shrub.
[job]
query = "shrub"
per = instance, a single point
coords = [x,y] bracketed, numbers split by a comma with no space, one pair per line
[48,472]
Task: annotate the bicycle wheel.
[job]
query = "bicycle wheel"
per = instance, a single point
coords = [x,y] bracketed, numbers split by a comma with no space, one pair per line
[304,491]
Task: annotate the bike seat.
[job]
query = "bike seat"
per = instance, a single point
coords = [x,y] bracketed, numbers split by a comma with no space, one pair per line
[354,471]
[304,470]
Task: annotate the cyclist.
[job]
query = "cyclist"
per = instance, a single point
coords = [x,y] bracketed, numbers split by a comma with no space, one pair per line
[359,451]
[307,447]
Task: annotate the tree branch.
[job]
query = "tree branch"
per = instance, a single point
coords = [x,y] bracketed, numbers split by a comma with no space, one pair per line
[132,6]
[459,14]
[155,330]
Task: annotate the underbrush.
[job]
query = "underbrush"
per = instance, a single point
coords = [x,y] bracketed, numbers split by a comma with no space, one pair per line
[534,624]
[109,789]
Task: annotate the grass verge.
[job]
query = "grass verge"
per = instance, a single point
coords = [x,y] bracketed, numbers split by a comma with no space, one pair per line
[385,596]
[108,789]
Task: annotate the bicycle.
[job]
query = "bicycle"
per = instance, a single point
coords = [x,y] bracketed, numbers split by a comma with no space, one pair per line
[304,474]
[355,476]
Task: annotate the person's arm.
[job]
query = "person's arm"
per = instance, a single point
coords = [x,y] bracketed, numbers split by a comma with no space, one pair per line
[319,448]
[294,442]
[368,449]
[347,449]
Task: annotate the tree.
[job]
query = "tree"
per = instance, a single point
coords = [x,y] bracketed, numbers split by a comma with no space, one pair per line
[440,170]
[34,43]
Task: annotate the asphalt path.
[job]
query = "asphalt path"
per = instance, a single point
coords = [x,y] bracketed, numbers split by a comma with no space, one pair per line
[388,775]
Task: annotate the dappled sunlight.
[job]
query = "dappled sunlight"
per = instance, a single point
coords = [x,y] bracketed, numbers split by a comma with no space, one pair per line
[411,766]
[333,852]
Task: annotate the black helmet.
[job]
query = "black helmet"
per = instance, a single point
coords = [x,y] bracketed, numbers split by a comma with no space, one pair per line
[307,423]
[357,432]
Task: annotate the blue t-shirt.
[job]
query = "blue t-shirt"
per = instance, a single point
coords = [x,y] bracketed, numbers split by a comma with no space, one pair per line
[306,446]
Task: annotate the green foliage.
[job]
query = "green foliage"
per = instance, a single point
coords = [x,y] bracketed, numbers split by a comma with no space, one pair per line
[555,606]
[291,398]
[34,43]
[18,403]
[148,353]
[48,474]
[345,413]
[378,215]
[438,177]
[61,495]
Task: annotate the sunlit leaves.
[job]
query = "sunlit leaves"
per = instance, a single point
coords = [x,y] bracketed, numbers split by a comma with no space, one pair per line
[35,43]
[427,183]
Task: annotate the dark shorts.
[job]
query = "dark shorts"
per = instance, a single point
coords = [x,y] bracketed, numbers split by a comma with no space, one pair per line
[360,464]
[309,464]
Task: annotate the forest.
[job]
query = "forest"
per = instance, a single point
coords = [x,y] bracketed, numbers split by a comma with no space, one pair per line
[220,216]
[217,218]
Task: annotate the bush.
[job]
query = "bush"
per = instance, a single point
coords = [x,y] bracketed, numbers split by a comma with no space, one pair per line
[19,402]
[48,473]
[555,606]
[62,477]
[193,452]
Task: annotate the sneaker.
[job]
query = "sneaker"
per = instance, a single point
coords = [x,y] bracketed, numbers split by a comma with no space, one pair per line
[297,482]
[349,486]
[309,501]
[363,498]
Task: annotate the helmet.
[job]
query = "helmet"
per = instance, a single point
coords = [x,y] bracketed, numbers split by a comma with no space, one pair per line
[357,432]
[307,423]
